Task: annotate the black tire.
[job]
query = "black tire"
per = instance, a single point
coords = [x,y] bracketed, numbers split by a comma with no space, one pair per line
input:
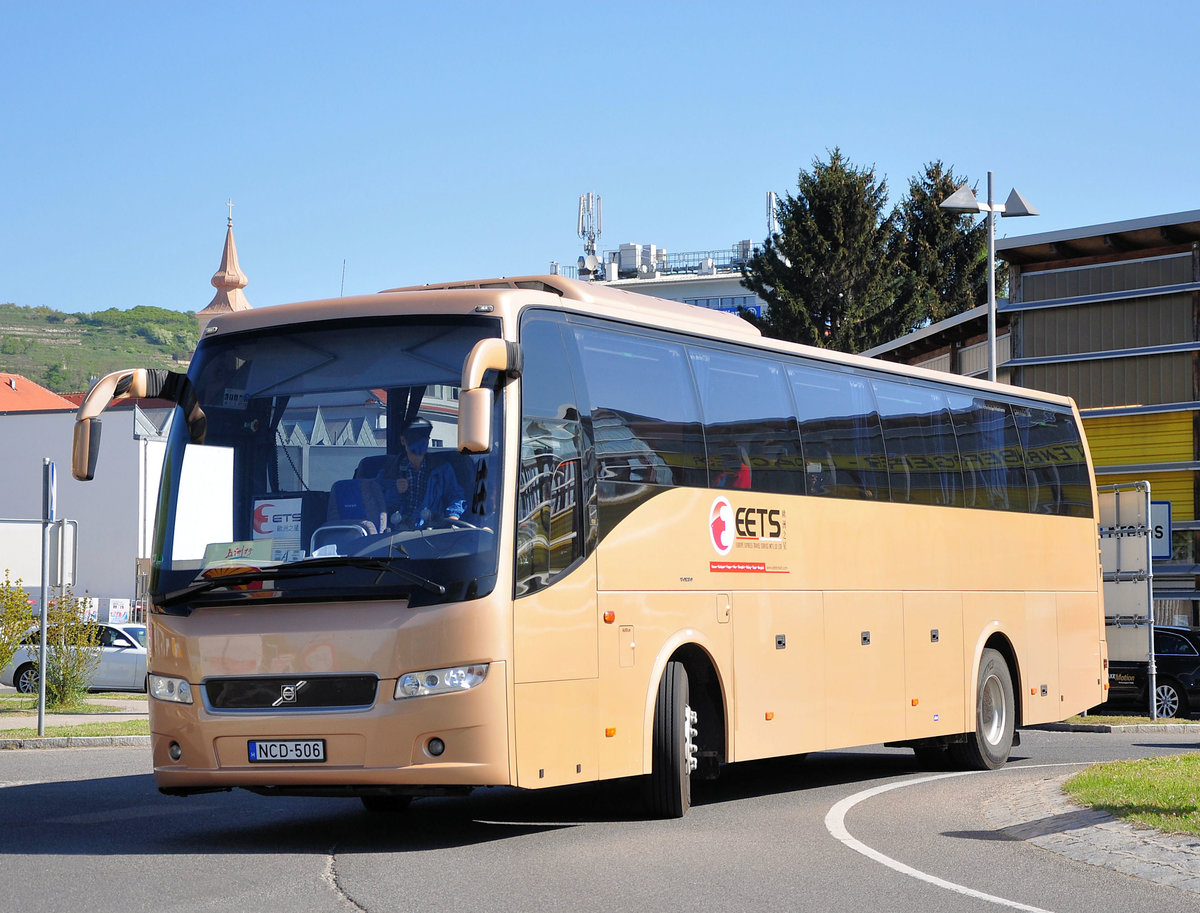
[1170,701]
[385,805]
[24,680]
[673,751]
[988,747]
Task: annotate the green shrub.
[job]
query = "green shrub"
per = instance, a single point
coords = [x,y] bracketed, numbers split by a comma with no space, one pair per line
[72,650]
[16,618]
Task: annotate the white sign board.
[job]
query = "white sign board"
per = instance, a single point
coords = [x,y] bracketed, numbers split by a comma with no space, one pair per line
[118,611]
[1125,550]
[1160,530]
[278,519]
[21,551]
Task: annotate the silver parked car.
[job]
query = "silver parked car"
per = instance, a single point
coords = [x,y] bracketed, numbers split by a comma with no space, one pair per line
[122,665]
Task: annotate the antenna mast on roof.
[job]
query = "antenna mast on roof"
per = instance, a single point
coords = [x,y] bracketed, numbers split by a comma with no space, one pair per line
[591,225]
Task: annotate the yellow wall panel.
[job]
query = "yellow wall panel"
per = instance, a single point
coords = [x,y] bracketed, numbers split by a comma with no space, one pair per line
[1121,440]
[1175,487]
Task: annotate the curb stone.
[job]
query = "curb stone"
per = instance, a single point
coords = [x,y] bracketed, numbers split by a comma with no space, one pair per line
[78,741]
[1106,727]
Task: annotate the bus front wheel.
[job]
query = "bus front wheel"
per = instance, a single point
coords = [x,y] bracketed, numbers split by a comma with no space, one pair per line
[988,747]
[673,753]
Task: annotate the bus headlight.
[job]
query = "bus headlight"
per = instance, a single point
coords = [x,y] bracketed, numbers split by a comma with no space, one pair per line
[170,689]
[440,681]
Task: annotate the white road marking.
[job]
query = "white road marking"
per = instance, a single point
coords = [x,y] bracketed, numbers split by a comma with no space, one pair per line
[835,823]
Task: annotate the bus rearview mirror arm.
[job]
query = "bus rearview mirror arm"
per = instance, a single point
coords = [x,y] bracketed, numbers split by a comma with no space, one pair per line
[133,382]
[475,400]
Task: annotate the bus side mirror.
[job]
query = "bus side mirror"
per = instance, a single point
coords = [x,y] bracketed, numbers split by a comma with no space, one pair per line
[475,420]
[475,401]
[134,382]
[86,449]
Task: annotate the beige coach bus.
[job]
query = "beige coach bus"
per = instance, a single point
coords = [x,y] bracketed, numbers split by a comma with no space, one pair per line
[535,532]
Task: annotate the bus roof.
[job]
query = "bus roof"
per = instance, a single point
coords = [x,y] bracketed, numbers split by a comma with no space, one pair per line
[507,296]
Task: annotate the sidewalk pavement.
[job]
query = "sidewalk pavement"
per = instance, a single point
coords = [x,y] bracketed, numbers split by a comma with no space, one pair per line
[1045,817]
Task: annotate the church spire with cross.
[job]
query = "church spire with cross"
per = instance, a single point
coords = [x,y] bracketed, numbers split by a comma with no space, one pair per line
[229,280]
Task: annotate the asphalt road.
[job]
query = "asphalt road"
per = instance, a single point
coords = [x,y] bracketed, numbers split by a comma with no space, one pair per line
[84,829]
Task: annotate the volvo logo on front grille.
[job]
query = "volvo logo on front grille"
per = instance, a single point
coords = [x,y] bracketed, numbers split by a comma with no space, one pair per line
[287,693]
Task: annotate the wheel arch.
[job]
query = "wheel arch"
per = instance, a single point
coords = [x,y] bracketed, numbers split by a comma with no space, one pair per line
[999,642]
[708,695]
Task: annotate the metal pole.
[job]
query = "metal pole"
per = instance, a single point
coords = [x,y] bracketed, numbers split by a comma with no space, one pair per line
[1152,665]
[47,519]
[991,265]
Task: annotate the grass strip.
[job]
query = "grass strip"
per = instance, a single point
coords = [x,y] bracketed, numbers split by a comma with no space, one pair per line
[1162,793]
[11,708]
[128,727]
[1112,719]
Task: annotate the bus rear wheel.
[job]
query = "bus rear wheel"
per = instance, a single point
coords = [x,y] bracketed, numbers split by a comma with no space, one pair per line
[673,753]
[988,747]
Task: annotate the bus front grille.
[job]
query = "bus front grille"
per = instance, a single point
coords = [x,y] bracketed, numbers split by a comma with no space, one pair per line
[291,692]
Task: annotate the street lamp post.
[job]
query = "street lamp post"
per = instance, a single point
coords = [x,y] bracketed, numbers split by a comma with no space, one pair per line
[964,200]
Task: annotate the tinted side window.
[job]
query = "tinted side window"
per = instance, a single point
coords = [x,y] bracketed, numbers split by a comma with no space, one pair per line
[839,428]
[645,416]
[1054,461]
[549,501]
[1169,644]
[749,429]
[922,452]
[990,450]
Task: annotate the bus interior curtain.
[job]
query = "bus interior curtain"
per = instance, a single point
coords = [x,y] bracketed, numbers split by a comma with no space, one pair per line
[277,412]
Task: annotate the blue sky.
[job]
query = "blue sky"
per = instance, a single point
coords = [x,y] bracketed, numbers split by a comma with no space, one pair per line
[422,142]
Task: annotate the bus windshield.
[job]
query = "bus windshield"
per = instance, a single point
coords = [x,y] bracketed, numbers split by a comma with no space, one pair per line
[329,470]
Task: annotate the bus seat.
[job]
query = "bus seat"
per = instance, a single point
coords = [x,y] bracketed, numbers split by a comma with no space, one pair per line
[357,501]
[463,467]
[369,467]
[356,510]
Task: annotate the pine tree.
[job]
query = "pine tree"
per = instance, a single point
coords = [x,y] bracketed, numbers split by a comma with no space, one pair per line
[830,277]
[942,256]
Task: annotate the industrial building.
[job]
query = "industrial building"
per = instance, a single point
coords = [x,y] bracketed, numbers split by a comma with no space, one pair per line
[1109,315]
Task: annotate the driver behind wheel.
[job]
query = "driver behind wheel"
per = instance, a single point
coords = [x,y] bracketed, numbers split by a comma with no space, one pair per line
[416,493]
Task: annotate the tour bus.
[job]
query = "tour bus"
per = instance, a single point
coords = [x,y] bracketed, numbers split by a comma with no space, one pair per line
[673,544]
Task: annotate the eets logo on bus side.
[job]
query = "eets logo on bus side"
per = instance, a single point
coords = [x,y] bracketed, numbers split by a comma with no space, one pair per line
[720,525]
[745,528]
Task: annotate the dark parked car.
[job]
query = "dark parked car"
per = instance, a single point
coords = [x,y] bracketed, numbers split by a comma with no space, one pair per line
[1177,683]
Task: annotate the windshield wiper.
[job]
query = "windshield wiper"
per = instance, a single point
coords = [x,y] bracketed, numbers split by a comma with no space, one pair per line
[313,567]
[373,564]
[212,583]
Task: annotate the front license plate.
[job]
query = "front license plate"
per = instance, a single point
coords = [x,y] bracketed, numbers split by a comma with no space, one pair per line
[285,751]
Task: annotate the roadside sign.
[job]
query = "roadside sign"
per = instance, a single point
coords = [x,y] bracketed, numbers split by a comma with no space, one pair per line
[49,490]
[1160,530]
